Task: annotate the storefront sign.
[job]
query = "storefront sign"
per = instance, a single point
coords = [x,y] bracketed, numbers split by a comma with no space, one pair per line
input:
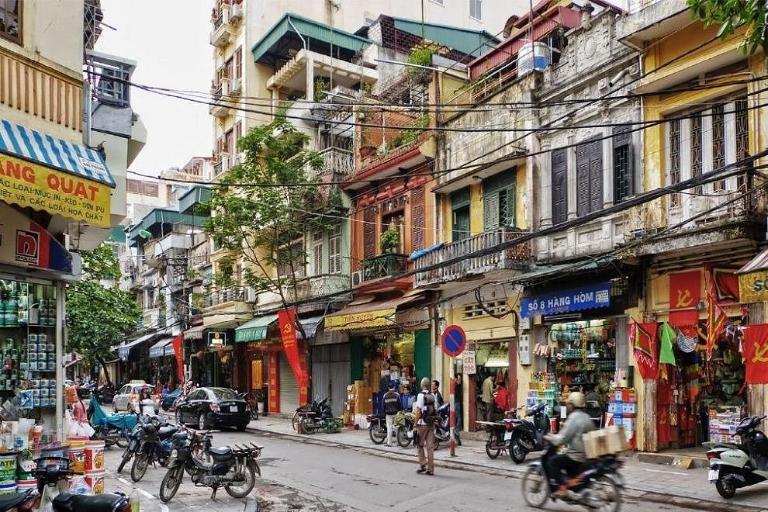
[40,188]
[468,363]
[579,299]
[273,383]
[363,320]
[24,243]
[756,353]
[286,319]
[753,287]
[217,339]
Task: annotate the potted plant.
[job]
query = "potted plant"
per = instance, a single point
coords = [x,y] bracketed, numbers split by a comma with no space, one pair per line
[389,241]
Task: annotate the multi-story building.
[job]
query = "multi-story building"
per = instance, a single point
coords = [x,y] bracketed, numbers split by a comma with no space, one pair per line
[65,144]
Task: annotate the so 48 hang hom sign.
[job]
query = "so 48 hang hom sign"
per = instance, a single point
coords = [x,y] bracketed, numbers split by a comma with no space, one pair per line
[577,299]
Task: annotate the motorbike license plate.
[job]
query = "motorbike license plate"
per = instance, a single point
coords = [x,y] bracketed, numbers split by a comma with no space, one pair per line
[410,434]
[713,475]
[507,436]
[232,408]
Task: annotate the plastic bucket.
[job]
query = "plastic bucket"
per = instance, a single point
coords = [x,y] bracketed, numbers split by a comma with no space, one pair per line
[77,459]
[8,467]
[23,486]
[95,480]
[7,487]
[94,456]
[77,441]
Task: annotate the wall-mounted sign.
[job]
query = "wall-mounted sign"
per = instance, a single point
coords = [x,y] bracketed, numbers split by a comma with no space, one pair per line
[577,299]
[217,339]
[24,243]
[753,287]
[468,363]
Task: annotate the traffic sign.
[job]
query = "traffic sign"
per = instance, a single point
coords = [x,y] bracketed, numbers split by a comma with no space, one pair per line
[453,340]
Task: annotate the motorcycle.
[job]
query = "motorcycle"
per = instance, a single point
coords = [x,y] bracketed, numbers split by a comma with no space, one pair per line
[377,429]
[734,466]
[168,399]
[316,417]
[253,403]
[23,501]
[134,442]
[155,446]
[104,394]
[443,426]
[235,468]
[404,421]
[597,487]
[111,428]
[527,435]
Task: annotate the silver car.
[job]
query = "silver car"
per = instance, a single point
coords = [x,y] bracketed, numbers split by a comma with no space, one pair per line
[128,395]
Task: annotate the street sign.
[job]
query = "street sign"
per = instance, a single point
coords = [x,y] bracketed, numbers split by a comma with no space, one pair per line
[453,340]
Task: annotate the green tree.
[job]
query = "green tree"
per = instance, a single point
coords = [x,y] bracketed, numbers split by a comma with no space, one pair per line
[732,14]
[99,313]
[262,208]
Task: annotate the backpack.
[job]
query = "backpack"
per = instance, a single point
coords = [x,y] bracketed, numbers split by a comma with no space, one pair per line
[429,411]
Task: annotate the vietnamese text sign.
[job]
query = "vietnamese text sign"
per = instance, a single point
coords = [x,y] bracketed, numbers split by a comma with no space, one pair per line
[286,319]
[55,192]
[753,287]
[578,299]
[468,363]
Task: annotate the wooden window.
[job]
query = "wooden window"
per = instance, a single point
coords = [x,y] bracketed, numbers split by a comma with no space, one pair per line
[742,136]
[476,9]
[334,249]
[460,208]
[317,252]
[229,67]
[718,144]
[589,177]
[11,20]
[696,149]
[623,175]
[369,232]
[291,261]
[499,200]
[674,159]
[559,186]
[418,220]
[133,186]
[395,221]
[239,62]
[150,189]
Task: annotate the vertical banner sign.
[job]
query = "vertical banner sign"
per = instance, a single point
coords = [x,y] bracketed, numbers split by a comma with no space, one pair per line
[274,383]
[643,339]
[684,296]
[178,353]
[286,319]
[716,317]
[756,353]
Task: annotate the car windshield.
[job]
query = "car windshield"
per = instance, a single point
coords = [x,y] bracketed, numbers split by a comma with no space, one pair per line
[223,393]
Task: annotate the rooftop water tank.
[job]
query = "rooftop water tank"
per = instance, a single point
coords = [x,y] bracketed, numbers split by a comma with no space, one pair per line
[533,56]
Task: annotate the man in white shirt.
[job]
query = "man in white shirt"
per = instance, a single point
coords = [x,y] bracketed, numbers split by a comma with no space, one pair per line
[425,404]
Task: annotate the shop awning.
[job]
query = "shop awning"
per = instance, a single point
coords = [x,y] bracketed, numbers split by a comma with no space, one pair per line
[125,349]
[369,315]
[161,348]
[194,333]
[256,329]
[54,175]
[759,262]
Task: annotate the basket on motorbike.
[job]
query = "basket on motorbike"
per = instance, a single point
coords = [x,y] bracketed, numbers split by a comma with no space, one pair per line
[606,441]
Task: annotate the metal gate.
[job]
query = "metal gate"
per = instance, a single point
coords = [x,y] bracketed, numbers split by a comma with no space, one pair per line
[289,388]
[331,374]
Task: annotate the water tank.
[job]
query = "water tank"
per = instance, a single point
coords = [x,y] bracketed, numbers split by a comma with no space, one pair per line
[533,56]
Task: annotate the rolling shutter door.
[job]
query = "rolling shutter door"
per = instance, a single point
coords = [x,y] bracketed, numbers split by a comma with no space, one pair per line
[331,374]
[289,388]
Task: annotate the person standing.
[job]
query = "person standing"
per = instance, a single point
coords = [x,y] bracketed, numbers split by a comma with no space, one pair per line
[436,391]
[392,406]
[425,404]
[488,397]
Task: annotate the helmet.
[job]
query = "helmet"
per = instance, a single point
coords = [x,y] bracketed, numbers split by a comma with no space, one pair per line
[577,399]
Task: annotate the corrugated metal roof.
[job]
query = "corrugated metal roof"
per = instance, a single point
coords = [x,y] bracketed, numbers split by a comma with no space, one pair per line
[471,42]
[759,262]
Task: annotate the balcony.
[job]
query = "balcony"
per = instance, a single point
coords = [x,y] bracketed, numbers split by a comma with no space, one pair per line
[154,318]
[516,257]
[220,106]
[217,298]
[337,164]
[652,19]
[222,32]
[236,14]
[293,74]
[317,286]
[385,265]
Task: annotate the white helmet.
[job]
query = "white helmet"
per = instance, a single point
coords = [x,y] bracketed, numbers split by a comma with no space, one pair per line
[577,399]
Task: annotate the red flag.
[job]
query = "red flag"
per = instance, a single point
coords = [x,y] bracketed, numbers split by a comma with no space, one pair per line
[646,349]
[684,297]
[286,319]
[179,355]
[726,285]
[756,353]
[716,317]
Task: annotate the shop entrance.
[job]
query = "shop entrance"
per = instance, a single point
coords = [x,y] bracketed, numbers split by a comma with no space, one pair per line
[492,392]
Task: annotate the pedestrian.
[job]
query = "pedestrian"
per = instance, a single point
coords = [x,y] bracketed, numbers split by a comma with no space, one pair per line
[436,391]
[458,398]
[488,397]
[427,411]
[392,406]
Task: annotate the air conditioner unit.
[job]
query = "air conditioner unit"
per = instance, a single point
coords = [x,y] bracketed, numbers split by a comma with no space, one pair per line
[235,86]
[357,278]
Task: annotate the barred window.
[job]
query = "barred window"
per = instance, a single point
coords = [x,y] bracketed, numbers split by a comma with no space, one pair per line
[674,159]
[718,144]
[696,150]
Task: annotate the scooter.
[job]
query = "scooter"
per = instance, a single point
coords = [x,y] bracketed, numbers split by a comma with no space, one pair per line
[734,466]
[443,426]
[528,434]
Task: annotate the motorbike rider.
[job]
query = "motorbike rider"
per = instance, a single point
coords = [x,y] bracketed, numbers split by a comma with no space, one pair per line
[577,423]
[145,406]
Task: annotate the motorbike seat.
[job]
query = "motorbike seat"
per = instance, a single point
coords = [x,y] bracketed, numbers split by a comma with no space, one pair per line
[167,431]
[9,502]
[221,450]
[67,502]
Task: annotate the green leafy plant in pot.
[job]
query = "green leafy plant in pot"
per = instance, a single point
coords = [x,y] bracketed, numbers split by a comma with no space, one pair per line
[389,241]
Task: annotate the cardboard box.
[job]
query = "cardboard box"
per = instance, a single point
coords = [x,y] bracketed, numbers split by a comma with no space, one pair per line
[606,441]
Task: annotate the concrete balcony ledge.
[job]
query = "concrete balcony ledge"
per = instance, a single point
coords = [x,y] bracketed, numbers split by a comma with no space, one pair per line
[518,256]
[651,19]
[317,286]
[222,31]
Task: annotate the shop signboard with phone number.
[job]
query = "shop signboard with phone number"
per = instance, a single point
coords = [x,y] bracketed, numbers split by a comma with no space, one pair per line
[567,301]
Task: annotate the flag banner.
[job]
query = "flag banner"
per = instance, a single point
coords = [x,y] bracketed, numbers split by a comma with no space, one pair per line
[645,347]
[726,285]
[668,339]
[716,317]
[286,319]
[178,352]
[756,353]
[684,297]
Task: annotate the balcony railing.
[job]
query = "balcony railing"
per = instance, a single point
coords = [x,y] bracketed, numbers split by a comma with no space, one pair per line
[384,265]
[221,34]
[517,256]
[337,164]
[225,295]
[317,286]
[110,79]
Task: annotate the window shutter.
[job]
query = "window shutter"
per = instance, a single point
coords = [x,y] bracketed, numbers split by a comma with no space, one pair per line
[596,175]
[490,211]
[559,186]
[511,212]
[582,180]
[369,233]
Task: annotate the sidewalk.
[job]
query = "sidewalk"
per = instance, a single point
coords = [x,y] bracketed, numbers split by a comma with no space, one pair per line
[650,482]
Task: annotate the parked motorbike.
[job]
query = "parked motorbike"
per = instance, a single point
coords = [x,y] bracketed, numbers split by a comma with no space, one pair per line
[316,417]
[234,468]
[155,446]
[443,426]
[598,486]
[113,429]
[377,429]
[734,466]
[527,434]
[18,502]
[104,394]
[168,399]
[404,421]
[253,403]
[134,442]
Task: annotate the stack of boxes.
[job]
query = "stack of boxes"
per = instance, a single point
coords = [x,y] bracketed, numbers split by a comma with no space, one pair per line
[722,424]
[359,403]
[543,389]
[622,411]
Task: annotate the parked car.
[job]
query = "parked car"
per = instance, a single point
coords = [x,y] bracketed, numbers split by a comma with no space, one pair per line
[213,407]
[128,395]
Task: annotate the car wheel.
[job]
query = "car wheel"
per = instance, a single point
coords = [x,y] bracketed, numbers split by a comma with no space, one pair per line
[202,422]
[241,428]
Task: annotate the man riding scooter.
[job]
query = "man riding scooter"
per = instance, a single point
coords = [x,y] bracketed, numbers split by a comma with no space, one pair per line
[568,464]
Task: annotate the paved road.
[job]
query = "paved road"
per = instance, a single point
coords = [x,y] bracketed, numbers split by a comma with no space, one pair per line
[309,477]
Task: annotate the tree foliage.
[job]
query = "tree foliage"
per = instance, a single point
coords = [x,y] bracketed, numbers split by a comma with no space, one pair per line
[99,314]
[259,223]
[730,15]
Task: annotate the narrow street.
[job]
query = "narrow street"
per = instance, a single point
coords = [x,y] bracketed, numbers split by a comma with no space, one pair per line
[311,477]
